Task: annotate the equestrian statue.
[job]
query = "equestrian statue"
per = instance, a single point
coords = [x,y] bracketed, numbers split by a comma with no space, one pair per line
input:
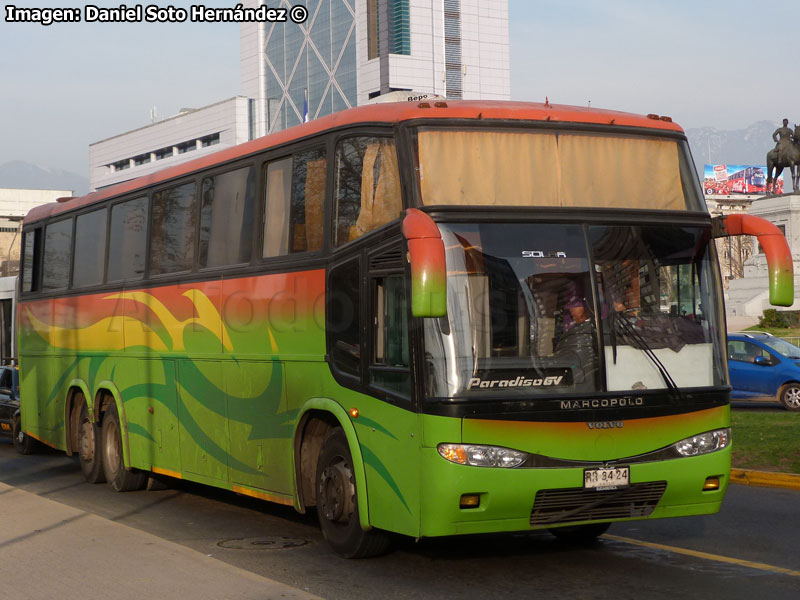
[785,154]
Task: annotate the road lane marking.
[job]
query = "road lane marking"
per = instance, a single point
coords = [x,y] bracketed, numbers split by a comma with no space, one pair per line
[705,555]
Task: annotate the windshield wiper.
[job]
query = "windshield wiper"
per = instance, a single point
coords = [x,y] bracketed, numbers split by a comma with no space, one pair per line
[630,331]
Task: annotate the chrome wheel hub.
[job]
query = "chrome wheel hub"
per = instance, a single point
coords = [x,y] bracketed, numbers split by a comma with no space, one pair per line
[337,492]
[792,397]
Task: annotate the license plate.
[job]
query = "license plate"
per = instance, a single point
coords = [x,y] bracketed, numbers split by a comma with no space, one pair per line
[607,479]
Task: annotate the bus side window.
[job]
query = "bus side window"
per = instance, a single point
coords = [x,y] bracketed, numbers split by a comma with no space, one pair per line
[389,366]
[295,200]
[57,255]
[173,229]
[276,210]
[128,240]
[31,255]
[308,200]
[343,317]
[88,267]
[225,225]
[367,186]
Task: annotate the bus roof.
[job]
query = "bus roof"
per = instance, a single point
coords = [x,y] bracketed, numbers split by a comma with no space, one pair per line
[374,113]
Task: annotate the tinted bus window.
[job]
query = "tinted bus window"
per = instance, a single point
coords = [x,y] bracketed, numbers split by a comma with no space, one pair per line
[276,211]
[343,308]
[32,248]
[174,222]
[225,218]
[294,207]
[308,198]
[128,244]
[367,186]
[57,255]
[90,248]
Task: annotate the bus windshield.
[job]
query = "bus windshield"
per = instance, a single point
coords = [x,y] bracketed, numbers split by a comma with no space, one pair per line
[551,309]
[489,167]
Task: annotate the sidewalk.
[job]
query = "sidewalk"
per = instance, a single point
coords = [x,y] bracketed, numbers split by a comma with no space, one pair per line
[50,550]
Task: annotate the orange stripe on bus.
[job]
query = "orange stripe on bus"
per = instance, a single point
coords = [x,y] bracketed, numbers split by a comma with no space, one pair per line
[263,495]
[167,472]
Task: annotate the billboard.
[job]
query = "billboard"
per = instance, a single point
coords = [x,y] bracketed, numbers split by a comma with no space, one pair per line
[737,179]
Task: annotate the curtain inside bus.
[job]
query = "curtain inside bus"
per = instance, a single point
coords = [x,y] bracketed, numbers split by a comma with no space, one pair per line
[381,200]
[500,168]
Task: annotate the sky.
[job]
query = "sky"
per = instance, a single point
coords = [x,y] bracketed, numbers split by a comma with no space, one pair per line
[716,63]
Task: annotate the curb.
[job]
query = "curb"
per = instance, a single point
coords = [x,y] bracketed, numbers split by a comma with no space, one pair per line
[765,479]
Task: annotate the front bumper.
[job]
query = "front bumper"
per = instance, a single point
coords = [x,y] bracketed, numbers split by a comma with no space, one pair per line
[507,496]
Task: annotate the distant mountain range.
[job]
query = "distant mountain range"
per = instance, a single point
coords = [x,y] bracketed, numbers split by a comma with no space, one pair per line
[747,146]
[23,175]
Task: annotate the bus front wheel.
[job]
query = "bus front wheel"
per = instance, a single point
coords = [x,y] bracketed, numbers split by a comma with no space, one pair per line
[89,447]
[337,502]
[118,477]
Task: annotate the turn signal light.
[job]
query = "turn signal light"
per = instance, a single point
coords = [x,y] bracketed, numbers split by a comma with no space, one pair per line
[711,484]
[353,412]
[470,501]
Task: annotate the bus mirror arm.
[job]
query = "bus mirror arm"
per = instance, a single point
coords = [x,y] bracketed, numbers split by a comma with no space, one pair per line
[776,249]
[428,267]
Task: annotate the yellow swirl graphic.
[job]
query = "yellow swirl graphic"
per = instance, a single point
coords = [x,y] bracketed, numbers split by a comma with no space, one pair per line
[105,334]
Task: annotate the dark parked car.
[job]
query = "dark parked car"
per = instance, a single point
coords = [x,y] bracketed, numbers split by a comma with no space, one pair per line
[9,410]
[762,365]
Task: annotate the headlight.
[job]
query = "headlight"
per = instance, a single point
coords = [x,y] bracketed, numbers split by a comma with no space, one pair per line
[704,443]
[481,456]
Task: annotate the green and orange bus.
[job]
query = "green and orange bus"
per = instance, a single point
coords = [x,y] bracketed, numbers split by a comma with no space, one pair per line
[426,319]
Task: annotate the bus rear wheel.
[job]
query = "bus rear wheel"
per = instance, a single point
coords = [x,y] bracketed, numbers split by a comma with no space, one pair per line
[118,477]
[89,446]
[337,502]
[24,443]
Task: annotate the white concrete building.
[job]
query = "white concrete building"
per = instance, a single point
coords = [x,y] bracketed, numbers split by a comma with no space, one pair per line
[187,135]
[14,205]
[349,51]
[346,53]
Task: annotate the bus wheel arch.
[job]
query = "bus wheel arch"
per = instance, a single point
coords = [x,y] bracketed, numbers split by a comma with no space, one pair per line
[120,478]
[87,439]
[316,420]
[338,502]
[107,395]
[312,428]
[77,395]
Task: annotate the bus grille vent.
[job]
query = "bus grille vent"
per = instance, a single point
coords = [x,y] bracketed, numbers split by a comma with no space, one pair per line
[577,504]
[391,259]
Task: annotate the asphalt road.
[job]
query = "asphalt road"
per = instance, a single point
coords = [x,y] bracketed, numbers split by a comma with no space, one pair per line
[755,536]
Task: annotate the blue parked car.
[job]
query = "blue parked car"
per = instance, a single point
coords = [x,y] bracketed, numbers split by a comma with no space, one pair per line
[761,365]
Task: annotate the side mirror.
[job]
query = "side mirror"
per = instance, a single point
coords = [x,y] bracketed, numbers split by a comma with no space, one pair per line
[776,249]
[762,361]
[428,269]
[6,392]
